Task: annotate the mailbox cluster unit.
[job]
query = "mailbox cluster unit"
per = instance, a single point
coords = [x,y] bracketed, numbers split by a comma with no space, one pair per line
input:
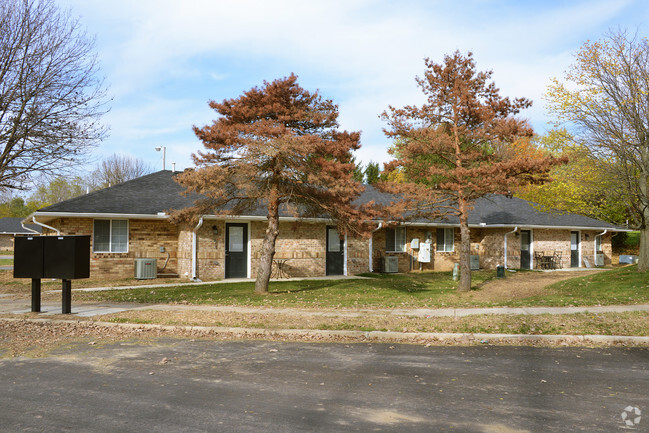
[61,257]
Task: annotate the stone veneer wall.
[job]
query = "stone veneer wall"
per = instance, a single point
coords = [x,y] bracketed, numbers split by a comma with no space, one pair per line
[489,245]
[145,239]
[6,242]
[302,245]
[440,261]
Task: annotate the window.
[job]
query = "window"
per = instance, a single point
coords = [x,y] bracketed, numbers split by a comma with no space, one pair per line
[598,243]
[110,236]
[395,239]
[445,240]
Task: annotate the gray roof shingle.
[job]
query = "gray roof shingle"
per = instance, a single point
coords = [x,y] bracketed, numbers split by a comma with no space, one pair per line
[158,192]
[13,226]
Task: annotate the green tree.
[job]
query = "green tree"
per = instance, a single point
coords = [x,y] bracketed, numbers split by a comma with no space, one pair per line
[372,173]
[604,100]
[58,190]
[580,186]
[16,207]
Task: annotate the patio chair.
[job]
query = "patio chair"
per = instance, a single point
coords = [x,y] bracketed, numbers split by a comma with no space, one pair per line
[556,259]
[538,256]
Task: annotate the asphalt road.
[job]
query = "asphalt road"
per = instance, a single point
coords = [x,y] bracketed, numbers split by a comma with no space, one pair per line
[182,385]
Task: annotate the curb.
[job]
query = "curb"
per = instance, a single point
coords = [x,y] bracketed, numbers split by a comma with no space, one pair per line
[363,336]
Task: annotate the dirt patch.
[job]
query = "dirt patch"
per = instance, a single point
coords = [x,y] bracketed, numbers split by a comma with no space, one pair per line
[522,285]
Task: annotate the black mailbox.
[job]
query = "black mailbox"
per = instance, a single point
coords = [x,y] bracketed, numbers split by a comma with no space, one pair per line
[66,257]
[28,257]
[63,257]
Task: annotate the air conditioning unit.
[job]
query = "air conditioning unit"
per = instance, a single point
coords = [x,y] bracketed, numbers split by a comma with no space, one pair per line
[146,269]
[390,264]
[599,259]
[475,262]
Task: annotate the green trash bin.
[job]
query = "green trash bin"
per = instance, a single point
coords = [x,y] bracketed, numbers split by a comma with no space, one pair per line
[500,271]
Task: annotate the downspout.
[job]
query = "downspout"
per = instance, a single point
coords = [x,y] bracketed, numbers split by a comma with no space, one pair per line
[371,247]
[195,249]
[28,229]
[58,232]
[508,233]
[595,246]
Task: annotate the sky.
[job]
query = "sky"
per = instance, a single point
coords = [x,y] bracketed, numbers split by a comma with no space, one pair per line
[164,60]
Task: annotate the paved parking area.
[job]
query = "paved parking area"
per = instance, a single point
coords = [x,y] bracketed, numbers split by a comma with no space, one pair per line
[182,385]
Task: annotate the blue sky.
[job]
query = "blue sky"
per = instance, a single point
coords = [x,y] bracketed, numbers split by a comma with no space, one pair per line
[163,60]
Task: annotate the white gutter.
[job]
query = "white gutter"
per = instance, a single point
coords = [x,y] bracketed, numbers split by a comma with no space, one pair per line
[58,232]
[195,249]
[505,244]
[162,215]
[26,228]
[595,246]
[371,247]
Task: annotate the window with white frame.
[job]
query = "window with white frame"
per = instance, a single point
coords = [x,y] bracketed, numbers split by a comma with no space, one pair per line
[110,236]
[395,239]
[445,240]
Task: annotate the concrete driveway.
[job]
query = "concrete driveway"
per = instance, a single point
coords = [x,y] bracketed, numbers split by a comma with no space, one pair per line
[183,385]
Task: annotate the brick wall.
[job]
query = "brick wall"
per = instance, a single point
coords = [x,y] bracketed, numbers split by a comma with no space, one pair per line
[488,243]
[303,245]
[6,242]
[145,239]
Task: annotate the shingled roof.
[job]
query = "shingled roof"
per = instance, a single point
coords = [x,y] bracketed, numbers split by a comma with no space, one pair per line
[158,192]
[13,226]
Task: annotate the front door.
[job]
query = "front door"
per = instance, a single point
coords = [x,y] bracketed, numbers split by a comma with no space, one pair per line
[526,250]
[236,250]
[574,249]
[335,252]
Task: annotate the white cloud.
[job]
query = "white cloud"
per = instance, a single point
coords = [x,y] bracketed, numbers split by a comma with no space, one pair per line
[362,54]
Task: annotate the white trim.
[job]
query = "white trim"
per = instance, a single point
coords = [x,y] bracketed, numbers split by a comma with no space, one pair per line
[345,256]
[248,244]
[110,236]
[248,218]
[195,249]
[601,242]
[578,249]
[249,253]
[58,232]
[505,246]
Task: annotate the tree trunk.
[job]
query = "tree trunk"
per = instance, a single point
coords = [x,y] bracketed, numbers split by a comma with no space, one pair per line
[465,248]
[643,256]
[268,246]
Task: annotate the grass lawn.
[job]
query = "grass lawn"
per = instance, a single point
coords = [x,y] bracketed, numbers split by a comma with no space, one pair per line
[416,290]
[629,323]
[429,289]
[615,287]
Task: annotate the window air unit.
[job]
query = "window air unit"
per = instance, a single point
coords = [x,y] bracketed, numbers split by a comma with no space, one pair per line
[475,262]
[390,264]
[146,269]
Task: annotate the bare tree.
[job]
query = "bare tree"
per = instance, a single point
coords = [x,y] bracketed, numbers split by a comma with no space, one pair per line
[51,99]
[117,169]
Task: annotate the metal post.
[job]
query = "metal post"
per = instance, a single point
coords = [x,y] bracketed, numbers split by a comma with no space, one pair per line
[36,295]
[66,296]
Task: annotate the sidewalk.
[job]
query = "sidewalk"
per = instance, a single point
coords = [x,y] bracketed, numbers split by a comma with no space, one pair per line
[10,304]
